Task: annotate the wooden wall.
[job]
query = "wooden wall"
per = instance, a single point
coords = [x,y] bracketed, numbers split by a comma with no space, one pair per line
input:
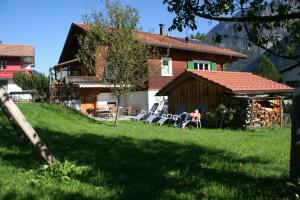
[191,93]
[179,65]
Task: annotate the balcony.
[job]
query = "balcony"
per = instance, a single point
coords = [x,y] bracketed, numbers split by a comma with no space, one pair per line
[80,79]
[8,73]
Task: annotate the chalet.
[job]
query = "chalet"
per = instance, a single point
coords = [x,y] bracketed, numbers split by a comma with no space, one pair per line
[257,100]
[75,87]
[15,58]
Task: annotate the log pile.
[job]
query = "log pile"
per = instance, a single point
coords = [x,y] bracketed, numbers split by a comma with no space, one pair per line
[263,116]
[242,111]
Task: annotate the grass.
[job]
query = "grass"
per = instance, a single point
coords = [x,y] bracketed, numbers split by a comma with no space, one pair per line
[138,161]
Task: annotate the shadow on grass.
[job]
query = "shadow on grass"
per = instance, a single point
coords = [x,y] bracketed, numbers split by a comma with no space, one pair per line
[146,169]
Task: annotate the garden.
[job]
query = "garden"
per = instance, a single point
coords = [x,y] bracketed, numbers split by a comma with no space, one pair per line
[133,160]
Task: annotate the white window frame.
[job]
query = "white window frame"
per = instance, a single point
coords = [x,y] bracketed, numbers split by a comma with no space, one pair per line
[170,66]
[203,62]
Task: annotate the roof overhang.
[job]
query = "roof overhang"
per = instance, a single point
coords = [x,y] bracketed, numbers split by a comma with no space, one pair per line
[195,50]
[241,56]
[66,63]
[165,90]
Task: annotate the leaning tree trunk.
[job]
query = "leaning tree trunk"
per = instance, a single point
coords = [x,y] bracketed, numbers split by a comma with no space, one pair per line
[295,140]
[18,120]
[117,112]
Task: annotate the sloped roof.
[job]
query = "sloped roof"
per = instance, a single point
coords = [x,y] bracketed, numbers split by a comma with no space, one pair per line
[178,43]
[235,82]
[16,50]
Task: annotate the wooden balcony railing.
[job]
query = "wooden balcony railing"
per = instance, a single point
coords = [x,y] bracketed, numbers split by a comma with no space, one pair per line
[80,79]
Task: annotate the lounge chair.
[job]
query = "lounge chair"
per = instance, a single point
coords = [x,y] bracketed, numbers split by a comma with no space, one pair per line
[175,119]
[197,122]
[140,116]
[153,109]
[151,118]
[144,115]
[164,118]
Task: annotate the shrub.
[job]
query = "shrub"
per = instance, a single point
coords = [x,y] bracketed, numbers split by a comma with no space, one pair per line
[35,81]
[209,119]
[220,118]
[224,116]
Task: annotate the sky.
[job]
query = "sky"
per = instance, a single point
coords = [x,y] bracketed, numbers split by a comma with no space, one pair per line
[45,23]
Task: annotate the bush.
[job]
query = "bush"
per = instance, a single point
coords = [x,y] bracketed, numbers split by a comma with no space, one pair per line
[224,116]
[3,83]
[35,81]
[220,118]
[209,119]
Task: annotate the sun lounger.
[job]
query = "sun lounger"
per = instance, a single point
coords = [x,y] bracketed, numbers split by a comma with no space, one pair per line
[139,117]
[175,119]
[197,122]
[150,118]
[164,118]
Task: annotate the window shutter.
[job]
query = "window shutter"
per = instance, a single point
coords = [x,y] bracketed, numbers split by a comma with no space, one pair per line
[213,66]
[190,64]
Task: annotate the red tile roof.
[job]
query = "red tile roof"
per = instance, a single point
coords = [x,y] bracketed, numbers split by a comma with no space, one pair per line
[178,43]
[239,82]
[16,50]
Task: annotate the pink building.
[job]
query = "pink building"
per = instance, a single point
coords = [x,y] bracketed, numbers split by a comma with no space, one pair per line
[14,58]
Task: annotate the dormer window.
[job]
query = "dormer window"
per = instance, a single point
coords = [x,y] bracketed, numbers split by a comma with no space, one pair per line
[166,66]
[3,64]
[202,65]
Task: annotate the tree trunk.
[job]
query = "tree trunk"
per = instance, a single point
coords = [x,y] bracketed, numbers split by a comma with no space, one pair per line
[18,120]
[117,112]
[295,140]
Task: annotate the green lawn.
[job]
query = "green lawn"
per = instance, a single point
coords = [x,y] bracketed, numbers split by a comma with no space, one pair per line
[138,161]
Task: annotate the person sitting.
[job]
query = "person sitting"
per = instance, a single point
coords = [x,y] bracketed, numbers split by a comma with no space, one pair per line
[187,117]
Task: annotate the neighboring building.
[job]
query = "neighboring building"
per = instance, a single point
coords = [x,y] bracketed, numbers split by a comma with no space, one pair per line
[291,77]
[257,100]
[15,58]
[81,90]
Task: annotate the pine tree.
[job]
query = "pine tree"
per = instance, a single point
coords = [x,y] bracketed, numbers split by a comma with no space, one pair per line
[267,69]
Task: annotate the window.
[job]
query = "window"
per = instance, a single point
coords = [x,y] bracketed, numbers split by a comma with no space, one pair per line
[108,73]
[3,64]
[202,65]
[166,66]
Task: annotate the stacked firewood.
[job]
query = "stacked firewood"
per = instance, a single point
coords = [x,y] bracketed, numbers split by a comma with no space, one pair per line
[242,111]
[262,116]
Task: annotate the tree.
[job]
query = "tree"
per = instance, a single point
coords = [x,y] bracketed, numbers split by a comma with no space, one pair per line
[35,81]
[112,36]
[267,69]
[267,23]
[201,37]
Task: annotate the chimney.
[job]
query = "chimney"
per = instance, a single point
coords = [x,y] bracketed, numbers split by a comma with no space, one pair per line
[161,29]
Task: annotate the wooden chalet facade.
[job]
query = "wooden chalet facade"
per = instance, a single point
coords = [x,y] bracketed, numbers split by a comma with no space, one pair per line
[257,100]
[74,86]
